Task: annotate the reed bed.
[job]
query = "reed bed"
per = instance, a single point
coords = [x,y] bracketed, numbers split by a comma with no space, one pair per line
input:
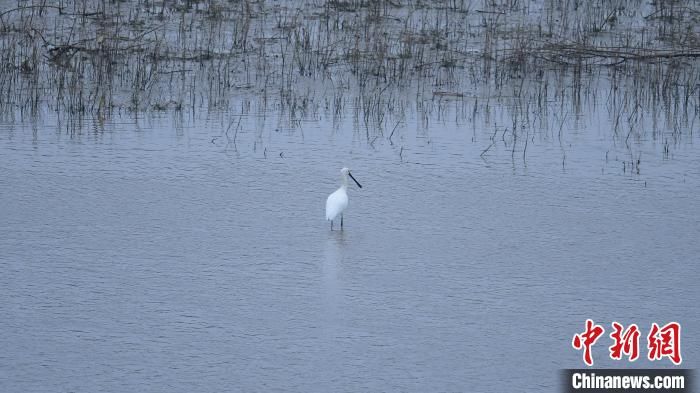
[375,62]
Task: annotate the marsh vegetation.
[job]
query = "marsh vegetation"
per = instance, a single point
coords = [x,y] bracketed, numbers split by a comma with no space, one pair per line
[510,72]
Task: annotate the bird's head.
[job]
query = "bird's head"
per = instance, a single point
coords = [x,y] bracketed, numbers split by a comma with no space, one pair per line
[345,172]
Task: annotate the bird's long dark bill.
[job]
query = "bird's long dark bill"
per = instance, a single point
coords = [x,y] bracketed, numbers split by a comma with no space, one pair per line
[353,179]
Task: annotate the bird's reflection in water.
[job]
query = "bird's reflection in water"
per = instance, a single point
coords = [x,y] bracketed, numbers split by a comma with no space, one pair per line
[332,279]
[333,321]
[334,256]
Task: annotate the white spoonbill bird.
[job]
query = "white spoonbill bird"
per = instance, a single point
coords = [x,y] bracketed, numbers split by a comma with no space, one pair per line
[338,201]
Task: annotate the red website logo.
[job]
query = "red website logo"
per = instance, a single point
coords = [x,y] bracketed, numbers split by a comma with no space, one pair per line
[662,342]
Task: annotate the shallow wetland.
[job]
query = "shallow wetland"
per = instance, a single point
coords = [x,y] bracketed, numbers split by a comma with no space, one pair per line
[525,165]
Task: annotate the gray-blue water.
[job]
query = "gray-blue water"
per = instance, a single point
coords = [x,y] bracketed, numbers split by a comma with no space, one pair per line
[143,256]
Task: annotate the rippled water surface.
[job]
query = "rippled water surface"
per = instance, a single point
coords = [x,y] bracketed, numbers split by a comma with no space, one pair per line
[158,255]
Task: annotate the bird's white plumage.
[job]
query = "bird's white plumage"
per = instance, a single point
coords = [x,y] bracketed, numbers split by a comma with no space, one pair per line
[336,202]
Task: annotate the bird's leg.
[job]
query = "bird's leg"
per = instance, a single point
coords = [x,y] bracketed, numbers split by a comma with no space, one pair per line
[331,225]
[341,220]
